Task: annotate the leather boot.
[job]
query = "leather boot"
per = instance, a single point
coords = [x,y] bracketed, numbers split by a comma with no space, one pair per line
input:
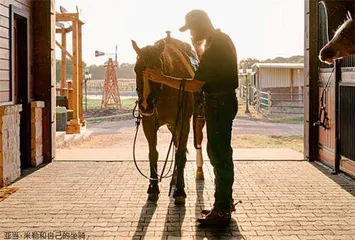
[215,218]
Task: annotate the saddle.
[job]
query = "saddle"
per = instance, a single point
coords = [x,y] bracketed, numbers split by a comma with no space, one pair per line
[189,59]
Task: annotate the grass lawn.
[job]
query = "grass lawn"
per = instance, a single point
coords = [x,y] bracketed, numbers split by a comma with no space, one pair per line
[94,109]
[127,103]
[261,141]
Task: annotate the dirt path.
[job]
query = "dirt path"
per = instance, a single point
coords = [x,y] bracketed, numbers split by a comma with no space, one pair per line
[114,141]
[120,134]
[116,133]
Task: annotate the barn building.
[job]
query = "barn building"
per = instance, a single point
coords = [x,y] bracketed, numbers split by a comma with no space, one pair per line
[278,77]
[27,86]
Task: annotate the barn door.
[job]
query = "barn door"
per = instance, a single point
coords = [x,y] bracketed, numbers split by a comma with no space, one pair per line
[326,91]
[337,141]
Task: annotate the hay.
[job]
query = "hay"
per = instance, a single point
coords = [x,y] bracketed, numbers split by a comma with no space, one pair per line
[6,192]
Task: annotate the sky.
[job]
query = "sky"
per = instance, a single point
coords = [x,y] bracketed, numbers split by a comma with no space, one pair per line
[260,29]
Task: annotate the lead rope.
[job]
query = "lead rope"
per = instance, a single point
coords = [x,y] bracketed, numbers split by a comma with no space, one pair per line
[138,121]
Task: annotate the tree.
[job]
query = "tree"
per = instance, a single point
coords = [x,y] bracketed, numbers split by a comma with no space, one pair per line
[124,70]
[68,71]
[247,63]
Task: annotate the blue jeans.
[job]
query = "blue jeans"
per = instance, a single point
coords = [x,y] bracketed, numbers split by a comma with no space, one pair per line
[220,112]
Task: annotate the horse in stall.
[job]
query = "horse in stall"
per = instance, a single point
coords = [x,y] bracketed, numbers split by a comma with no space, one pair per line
[342,43]
[159,105]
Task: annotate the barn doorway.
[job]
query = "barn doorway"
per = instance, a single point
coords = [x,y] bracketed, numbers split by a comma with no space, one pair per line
[255,132]
[20,72]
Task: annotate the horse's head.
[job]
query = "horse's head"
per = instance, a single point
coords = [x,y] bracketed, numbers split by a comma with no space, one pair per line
[147,57]
[342,44]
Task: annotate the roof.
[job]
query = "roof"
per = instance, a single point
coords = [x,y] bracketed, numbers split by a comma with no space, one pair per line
[278,65]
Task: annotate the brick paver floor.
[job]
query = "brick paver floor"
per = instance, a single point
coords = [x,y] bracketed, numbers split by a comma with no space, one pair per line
[281,200]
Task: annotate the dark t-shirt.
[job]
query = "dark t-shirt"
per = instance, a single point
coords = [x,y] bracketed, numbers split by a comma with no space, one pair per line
[218,66]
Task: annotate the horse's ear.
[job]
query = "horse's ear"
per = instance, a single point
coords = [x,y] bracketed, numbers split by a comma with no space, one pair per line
[349,17]
[135,47]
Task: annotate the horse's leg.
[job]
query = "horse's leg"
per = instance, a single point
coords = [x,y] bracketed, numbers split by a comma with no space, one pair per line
[180,158]
[150,131]
[198,124]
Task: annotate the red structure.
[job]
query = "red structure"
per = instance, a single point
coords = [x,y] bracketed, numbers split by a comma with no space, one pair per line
[110,90]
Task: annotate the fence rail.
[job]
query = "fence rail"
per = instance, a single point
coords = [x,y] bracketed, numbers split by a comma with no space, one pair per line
[124,85]
[268,102]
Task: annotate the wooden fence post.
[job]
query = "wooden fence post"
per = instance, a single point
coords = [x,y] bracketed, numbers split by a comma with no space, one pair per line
[258,100]
[269,101]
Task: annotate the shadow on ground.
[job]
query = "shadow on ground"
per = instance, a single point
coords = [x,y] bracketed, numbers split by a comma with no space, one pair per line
[177,226]
[145,218]
[344,181]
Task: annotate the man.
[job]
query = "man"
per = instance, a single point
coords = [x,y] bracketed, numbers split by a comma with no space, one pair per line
[217,75]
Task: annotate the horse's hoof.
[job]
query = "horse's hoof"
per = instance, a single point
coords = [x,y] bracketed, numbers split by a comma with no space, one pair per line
[180,200]
[153,188]
[153,197]
[179,196]
[199,174]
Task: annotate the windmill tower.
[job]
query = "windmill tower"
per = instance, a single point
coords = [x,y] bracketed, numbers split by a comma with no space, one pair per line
[110,95]
[110,90]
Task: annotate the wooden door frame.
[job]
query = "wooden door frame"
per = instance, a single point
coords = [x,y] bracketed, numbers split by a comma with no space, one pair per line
[311,104]
[22,17]
[26,15]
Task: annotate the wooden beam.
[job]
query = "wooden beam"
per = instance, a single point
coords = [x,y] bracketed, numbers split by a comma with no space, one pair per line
[63,62]
[63,49]
[311,133]
[66,17]
[74,126]
[44,71]
[80,74]
[69,29]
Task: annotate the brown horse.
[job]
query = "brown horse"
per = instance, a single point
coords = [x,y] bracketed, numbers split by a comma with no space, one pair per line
[159,105]
[342,44]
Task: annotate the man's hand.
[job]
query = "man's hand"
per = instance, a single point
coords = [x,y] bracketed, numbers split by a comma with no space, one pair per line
[198,47]
[154,75]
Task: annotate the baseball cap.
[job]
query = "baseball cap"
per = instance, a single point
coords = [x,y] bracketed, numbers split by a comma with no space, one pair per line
[194,18]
